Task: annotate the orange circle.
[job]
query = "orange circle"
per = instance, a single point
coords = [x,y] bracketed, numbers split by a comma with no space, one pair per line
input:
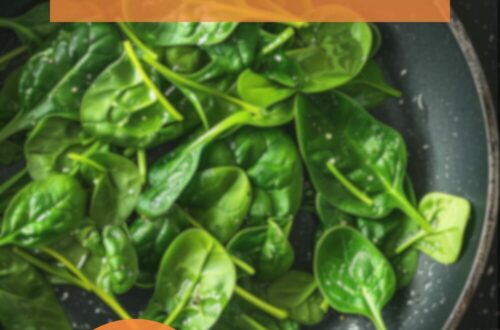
[134,325]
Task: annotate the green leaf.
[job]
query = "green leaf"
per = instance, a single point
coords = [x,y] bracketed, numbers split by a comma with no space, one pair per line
[183,33]
[355,162]
[298,293]
[353,275]
[195,282]
[116,190]
[272,162]
[59,87]
[370,88]
[121,266]
[332,54]
[266,248]
[43,212]
[27,301]
[152,237]
[219,198]
[49,144]
[449,216]
[258,90]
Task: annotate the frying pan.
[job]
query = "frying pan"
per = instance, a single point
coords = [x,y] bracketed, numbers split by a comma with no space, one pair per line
[448,121]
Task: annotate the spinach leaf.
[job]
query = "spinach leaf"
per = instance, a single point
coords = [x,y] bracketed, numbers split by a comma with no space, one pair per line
[266,248]
[449,216]
[152,237]
[272,163]
[298,293]
[124,106]
[369,88]
[330,216]
[185,59]
[121,266]
[43,211]
[353,275]
[10,188]
[168,178]
[357,163]
[219,198]
[27,301]
[194,284]
[261,91]
[74,62]
[49,144]
[117,186]
[9,96]
[183,33]
[332,54]
[231,56]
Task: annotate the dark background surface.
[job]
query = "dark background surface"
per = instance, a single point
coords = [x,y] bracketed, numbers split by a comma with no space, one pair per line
[480,18]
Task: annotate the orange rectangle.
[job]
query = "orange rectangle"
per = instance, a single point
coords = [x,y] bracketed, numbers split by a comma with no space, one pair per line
[250,10]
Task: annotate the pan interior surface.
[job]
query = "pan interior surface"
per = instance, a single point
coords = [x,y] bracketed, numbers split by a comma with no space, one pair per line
[441,119]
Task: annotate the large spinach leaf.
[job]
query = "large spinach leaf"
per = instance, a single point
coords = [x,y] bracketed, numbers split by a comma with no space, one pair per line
[195,283]
[44,211]
[27,301]
[357,163]
[55,79]
[353,275]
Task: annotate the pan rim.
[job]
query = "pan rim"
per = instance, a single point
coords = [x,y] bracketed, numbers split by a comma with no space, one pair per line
[492,203]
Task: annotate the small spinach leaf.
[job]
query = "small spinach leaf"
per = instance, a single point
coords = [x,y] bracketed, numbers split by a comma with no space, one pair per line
[353,275]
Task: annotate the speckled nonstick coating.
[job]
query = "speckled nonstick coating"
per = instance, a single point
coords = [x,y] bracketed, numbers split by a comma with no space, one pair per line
[448,121]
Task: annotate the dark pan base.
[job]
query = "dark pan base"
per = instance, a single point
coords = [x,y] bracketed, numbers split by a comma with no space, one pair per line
[448,121]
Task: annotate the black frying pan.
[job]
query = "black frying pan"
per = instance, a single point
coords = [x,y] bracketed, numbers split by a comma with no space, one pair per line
[448,121]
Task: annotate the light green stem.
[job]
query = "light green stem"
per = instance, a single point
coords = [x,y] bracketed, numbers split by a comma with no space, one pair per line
[5,23]
[151,85]
[279,41]
[84,160]
[376,317]
[10,55]
[404,205]
[254,325]
[133,37]
[13,180]
[325,305]
[50,269]
[409,242]
[238,118]
[264,306]
[142,165]
[348,185]
[297,25]
[107,298]
[178,79]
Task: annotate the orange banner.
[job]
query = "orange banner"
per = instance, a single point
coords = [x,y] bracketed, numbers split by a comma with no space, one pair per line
[134,325]
[250,10]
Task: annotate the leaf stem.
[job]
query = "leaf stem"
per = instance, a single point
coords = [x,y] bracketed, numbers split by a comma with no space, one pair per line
[178,79]
[9,24]
[280,40]
[104,296]
[133,37]
[325,305]
[264,306]
[136,63]
[142,165]
[10,55]
[348,185]
[404,205]
[409,242]
[13,180]
[252,323]
[87,161]
[49,269]
[376,317]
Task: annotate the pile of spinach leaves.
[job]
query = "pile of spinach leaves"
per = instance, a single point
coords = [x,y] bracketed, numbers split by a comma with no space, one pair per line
[174,156]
